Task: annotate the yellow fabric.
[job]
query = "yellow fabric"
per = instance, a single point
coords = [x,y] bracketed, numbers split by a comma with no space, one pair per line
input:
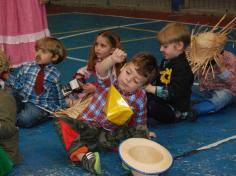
[116,109]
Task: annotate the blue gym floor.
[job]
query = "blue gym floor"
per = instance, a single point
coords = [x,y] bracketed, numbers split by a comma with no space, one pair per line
[42,150]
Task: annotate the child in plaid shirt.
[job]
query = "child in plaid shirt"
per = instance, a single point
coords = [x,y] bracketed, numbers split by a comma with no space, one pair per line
[218,90]
[37,83]
[92,131]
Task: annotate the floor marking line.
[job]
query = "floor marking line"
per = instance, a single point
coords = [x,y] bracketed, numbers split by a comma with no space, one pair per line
[76,59]
[105,28]
[206,147]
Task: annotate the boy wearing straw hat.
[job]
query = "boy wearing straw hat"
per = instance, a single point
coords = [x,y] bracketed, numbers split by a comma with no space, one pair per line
[214,67]
[217,89]
[93,130]
[8,130]
[169,97]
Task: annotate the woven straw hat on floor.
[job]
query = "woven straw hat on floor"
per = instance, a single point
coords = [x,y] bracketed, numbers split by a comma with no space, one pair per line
[144,157]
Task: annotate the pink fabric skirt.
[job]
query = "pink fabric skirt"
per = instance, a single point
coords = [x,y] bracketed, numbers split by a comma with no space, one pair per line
[22,23]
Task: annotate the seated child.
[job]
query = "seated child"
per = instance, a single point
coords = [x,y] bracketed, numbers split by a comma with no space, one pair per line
[8,130]
[169,97]
[104,45]
[38,84]
[215,70]
[92,131]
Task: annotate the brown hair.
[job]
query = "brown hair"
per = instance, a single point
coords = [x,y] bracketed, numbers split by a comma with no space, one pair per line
[174,32]
[114,40]
[54,46]
[146,66]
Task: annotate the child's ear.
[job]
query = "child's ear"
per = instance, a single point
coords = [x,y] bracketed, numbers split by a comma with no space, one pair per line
[55,58]
[180,45]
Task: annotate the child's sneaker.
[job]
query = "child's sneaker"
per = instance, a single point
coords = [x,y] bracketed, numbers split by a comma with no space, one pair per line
[192,115]
[91,162]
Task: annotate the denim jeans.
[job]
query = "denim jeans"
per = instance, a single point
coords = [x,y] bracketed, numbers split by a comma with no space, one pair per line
[28,114]
[209,101]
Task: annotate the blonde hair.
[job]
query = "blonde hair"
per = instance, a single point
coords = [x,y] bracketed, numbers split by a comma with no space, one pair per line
[174,32]
[4,62]
[114,40]
[146,65]
[54,46]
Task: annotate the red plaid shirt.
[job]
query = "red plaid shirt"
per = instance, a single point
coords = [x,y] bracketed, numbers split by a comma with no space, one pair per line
[225,80]
[94,114]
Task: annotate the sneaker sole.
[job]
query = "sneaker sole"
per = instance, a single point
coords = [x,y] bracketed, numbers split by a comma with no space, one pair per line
[97,165]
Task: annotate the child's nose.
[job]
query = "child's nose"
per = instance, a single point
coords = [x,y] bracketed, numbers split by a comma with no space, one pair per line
[128,79]
[161,48]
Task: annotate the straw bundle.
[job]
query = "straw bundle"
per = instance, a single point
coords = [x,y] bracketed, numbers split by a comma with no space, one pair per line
[74,111]
[206,46]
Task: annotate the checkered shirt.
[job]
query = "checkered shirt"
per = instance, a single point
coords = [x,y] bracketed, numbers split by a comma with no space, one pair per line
[222,80]
[95,116]
[24,81]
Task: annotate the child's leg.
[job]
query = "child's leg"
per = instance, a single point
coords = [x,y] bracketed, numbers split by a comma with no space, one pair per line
[161,111]
[19,104]
[30,116]
[79,138]
[218,100]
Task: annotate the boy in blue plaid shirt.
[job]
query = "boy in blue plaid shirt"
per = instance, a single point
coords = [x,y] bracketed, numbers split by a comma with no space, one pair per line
[92,131]
[37,83]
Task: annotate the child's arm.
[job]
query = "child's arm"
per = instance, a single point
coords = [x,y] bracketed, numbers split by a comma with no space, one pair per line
[150,89]
[103,67]
[82,73]
[157,90]
[227,64]
[17,82]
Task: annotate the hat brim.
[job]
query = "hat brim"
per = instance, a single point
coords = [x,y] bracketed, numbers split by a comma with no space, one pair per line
[145,156]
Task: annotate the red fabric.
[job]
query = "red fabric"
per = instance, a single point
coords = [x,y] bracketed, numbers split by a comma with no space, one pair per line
[38,86]
[68,134]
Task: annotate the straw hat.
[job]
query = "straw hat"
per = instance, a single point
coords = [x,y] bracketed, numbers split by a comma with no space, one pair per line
[145,157]
[205,47]
[4,62]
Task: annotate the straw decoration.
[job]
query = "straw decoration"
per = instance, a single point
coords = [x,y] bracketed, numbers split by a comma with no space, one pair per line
[205,47]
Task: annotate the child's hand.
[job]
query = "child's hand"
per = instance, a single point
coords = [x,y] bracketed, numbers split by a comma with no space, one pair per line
[152,135]
[69,102]
[79,76]
[5,75]
[150,88]
[118,55]
[89,88]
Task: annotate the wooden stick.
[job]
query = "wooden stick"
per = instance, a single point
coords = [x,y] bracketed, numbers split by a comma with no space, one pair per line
[50,112]
[215,144]
[215,27]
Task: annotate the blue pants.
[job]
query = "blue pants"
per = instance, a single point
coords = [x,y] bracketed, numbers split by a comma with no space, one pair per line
[209,101]
[28,114]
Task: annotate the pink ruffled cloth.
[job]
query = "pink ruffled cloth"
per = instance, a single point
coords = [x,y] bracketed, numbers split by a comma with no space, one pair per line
[22,23]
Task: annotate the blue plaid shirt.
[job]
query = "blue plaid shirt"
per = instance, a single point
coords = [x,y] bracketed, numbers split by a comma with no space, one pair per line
[24,82]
